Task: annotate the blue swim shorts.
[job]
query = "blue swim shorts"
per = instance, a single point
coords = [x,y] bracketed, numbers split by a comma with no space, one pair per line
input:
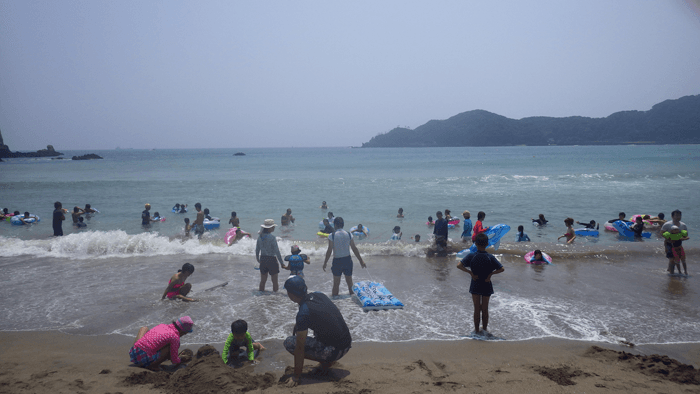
[342,266]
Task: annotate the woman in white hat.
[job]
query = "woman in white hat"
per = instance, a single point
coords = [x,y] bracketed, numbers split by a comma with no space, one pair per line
[267,253]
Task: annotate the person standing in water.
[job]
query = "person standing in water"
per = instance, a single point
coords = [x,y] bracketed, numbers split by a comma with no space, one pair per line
[440,229]
[481,266]
[287,218]
[339,244]
[466,227]
[77,211]
[668,244]
[58,218]
[570,233]
[146,219]
[199,221]
[267,253]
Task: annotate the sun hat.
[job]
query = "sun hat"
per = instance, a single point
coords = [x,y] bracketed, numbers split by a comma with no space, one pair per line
[269,223]
[296,285]
[184,324]
[466,213]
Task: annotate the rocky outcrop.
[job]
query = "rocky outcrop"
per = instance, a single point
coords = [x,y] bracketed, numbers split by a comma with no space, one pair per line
[89,156]
[5,151]
[239,154]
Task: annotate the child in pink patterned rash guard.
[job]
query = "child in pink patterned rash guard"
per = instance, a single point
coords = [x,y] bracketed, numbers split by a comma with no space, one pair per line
[160,343]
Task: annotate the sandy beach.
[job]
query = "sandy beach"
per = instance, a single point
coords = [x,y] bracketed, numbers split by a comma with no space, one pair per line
[53,362]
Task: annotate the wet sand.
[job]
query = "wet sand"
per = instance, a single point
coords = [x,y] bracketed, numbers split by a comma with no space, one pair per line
[53,362]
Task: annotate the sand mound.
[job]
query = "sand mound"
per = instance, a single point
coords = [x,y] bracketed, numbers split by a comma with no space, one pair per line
[660,367]
[207,373]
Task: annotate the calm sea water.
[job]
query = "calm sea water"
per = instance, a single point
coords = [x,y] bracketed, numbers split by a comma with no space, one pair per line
[109,277]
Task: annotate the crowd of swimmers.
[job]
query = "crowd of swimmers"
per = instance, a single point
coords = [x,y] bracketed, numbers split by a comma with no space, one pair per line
[78,216]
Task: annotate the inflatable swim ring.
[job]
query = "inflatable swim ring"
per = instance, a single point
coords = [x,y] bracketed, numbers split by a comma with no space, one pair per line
[453,222]
[31,219]
[211,224]
[495,233]
[609,226]
[322,234]
[359,234]
[624,230]
[530,255]
[158,219]
[230,235]
[181,210]
[374,296]
[587,232]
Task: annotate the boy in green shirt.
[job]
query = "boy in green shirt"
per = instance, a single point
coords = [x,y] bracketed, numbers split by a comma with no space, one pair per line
[239,337]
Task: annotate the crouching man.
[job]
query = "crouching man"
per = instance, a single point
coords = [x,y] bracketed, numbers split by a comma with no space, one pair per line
[331,340]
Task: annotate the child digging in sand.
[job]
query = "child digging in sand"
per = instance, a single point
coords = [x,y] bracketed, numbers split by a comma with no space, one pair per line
[481,266]
[237,339]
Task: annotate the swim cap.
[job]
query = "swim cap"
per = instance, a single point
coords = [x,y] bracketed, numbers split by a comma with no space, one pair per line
[296,285]
[295,247]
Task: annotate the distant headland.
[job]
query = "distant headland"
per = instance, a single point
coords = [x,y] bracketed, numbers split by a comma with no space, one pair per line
[6,153]
[669,122]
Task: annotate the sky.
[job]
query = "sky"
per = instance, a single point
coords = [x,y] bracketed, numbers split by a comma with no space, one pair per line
[243,74]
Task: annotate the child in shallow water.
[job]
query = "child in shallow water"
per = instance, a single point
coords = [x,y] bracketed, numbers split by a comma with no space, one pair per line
[177,288]
[537,256]
[521,236]
[570,233]
[188,227]
[481,266]
[296,261]
[396,236]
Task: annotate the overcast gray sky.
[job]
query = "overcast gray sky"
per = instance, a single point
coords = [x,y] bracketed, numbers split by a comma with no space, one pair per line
[189,74]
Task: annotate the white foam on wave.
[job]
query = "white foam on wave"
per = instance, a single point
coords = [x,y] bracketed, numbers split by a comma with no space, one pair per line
[547,317]
[117,243]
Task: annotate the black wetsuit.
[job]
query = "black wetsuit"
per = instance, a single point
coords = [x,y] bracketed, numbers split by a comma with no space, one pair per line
[58,222]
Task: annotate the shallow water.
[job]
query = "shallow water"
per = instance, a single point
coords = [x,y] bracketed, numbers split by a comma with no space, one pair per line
[109,277]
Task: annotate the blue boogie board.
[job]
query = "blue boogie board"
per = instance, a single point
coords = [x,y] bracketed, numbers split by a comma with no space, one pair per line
[495,233]
[374,296]
[624,229]
[587,232]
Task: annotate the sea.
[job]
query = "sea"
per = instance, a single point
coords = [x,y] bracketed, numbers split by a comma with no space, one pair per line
[108,277]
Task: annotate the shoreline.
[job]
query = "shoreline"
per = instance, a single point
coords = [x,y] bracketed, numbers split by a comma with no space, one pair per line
[51,361]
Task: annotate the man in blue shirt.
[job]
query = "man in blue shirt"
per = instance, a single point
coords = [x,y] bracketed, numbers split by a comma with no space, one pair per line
[331,340]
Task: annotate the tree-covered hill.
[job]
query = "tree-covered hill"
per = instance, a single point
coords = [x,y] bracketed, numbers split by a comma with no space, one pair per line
[669,122]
